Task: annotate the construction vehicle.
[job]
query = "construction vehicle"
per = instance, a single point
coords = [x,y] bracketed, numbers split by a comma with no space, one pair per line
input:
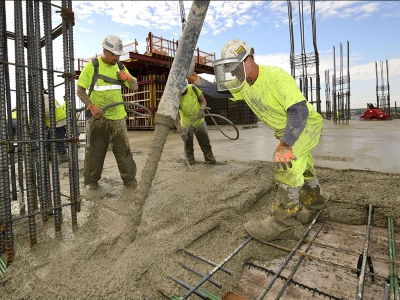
[374,113]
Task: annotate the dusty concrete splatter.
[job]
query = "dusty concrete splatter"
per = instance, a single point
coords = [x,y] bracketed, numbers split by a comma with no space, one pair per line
[200,210]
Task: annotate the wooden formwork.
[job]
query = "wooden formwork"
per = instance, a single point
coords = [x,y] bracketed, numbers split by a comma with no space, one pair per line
[151,88]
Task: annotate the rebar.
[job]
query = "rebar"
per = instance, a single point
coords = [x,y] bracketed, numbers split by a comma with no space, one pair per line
[300,261]
[25,172]
[217,267]
[361,278]
[289,257]
[393,276]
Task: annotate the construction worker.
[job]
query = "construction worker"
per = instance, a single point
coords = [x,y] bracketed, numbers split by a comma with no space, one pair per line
[14,122]
[104,79]
[191,111]
[61,126]
[275,98]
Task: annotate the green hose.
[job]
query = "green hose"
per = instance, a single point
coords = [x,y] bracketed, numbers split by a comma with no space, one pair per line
[207,114]
[394,279]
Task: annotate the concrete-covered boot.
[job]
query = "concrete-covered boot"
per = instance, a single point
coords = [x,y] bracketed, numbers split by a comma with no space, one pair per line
[281,223]
[268,230]
[63,157]
[190,158]
[209,158]
[313,201]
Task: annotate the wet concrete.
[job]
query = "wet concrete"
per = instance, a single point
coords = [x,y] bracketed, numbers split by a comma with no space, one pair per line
[359,145]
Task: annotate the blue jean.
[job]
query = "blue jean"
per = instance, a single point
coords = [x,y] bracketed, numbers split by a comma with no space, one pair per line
[60,134]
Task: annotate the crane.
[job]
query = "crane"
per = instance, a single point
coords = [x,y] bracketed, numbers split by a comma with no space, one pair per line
[183,17]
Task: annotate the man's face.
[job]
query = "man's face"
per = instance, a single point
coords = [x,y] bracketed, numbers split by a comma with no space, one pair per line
[111,58]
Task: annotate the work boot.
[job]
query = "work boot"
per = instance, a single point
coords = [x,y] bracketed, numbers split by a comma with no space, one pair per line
[131,184]
[209,158]
[313,201]
[92,186]
[281,223]
[190,158]
[268,230]
[63,157]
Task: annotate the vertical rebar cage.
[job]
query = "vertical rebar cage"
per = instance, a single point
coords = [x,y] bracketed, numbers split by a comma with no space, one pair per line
[30,183]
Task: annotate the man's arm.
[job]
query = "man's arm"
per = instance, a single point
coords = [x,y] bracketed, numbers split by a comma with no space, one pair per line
[96,111]
[178,123]
[132,81]
[202,101]
[297,115]
[81,92]
[204,85]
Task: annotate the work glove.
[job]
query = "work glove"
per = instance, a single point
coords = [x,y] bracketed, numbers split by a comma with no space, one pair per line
[191,74]
[284,156]
[183,135]
[124,76]
[96,111]
[201,114]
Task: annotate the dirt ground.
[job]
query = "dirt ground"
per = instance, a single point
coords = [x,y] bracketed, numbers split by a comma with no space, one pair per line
[201,210]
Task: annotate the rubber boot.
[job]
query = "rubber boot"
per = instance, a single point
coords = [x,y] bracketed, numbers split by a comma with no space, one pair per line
[281,222]
[63,157]
[209,158]
[312,200]
[190,158]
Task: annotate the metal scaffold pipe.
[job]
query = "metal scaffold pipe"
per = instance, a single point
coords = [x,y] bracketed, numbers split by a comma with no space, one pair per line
[169,104]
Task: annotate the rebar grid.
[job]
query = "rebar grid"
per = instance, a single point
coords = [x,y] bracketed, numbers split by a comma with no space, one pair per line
[25,172]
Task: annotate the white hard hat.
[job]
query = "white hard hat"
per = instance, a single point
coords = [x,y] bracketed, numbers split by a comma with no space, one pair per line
[229,70]
[236,48]
[113,44]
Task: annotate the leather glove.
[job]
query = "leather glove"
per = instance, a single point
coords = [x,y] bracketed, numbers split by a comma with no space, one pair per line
[183,135]
[191,74]
[96,111]
[124,76]
[284,156]
[201,114]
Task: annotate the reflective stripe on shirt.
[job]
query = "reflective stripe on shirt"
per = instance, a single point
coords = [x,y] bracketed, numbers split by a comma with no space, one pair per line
[100,88]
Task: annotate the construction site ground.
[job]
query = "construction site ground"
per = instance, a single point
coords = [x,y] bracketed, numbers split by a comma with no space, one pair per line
[202,209]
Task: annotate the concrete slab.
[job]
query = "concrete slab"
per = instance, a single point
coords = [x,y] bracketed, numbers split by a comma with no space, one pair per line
[360,145]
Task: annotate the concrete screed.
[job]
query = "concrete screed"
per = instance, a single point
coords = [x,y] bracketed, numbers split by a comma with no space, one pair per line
[202,209]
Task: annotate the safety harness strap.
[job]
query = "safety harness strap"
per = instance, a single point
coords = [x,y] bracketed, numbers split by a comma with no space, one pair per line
[96,75]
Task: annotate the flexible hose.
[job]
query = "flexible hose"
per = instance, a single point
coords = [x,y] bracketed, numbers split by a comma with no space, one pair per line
[125,103]
[215,123]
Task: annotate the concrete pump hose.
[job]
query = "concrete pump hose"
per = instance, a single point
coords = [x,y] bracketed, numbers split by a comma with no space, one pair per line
[169,105]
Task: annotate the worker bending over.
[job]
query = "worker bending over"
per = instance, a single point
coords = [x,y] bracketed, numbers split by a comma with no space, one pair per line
[191,113]
[272,94]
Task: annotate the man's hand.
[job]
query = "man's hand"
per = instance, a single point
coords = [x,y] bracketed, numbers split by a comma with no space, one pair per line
[201,114]
[284,156]
[183,135]
[124,76]
[96,111]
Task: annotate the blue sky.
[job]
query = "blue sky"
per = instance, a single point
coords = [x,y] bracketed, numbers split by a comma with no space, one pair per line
[371,27]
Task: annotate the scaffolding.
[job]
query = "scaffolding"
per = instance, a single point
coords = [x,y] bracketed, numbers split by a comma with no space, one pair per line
[307,64]
[328,96]
[383,90]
